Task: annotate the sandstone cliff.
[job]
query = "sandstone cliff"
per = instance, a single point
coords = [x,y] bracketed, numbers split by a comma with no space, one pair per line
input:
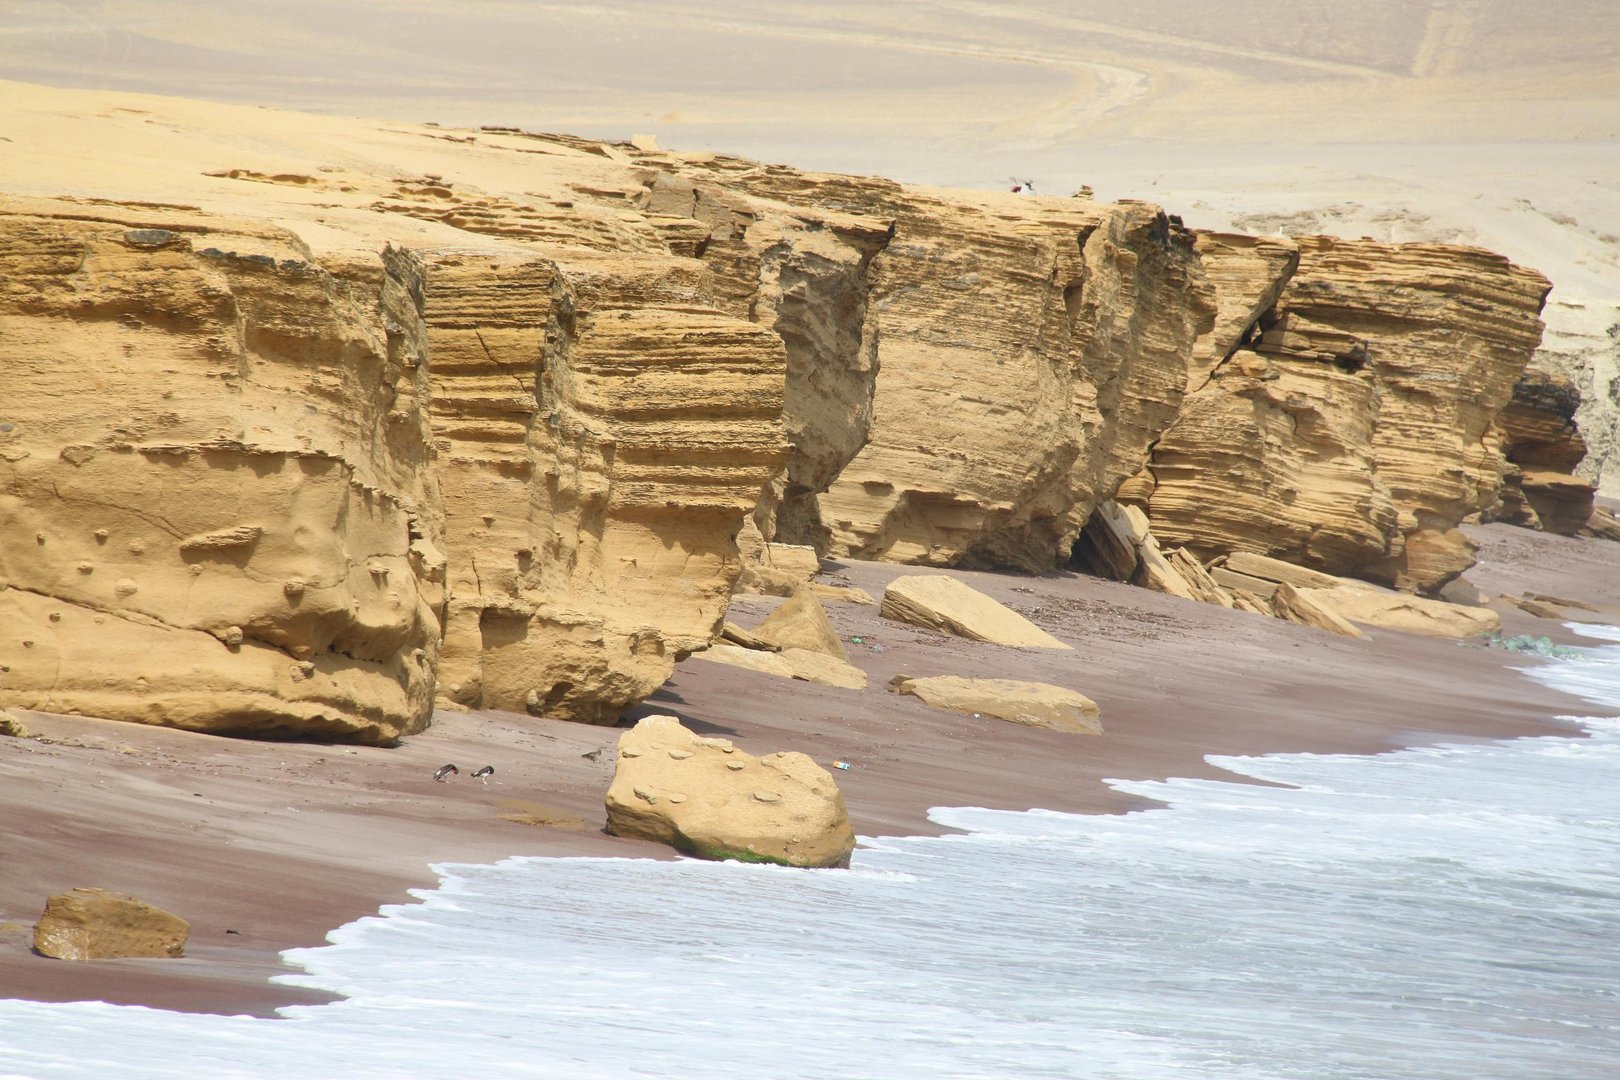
[1354,430]
[215,503]
[513,397]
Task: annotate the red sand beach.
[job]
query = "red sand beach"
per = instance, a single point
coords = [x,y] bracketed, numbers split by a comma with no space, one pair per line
[268,846]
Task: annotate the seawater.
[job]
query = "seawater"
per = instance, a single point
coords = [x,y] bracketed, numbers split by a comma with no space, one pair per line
[1451,912]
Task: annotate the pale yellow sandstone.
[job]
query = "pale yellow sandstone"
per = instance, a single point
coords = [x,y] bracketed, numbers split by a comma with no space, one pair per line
[943,603]
[1039,705]
[706,798]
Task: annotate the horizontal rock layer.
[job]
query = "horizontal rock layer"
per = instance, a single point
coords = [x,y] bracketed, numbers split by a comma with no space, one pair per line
[1351,427]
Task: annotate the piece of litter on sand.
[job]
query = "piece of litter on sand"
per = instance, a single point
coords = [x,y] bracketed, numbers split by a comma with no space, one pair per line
[878,648]
[841,765]
[858,640]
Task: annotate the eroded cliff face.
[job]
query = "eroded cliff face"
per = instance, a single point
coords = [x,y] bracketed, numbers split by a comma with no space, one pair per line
[602,431]
[523,419]
[1026,353]
[1354,431]
[215,506]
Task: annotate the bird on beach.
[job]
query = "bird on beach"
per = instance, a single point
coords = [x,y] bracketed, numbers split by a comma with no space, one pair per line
[445,771]
[485,773]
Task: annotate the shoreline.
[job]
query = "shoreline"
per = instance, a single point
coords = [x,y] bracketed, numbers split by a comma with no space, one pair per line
[270,846]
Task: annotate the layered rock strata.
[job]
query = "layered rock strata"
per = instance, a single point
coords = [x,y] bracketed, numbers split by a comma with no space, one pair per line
[1027,352]
[1543,448]
[216,510]
[602,429]
[1354,430]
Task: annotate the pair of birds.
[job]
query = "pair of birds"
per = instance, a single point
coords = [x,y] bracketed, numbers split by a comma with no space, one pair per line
[444,772]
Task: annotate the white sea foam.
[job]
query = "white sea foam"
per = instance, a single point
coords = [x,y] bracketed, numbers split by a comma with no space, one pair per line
[1450,912]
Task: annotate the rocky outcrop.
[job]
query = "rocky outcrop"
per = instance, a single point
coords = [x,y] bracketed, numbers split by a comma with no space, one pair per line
[216,510]
[510,460]
[704,797]
[602,428]
[1353,432]
[1038,705]
[1056,331]
[1543,448]
[942,603]
[94,924]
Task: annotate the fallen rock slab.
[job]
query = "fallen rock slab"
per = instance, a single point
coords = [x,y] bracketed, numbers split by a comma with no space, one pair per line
[95,924]
[944,603]
[799,664]
[1276,570]
[706,798]
[1038,705]
[1295,606]
[1402,611]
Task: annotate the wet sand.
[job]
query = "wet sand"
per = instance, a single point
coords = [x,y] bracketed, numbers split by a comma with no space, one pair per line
[265,846]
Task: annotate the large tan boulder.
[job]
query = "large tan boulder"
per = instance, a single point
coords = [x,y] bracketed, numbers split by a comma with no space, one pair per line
[805,665]
[944,603]
[1402,611]
[704,797]
[800,622]
[1032,704]
[95,924]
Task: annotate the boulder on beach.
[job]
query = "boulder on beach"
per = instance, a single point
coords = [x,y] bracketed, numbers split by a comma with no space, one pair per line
[801,664]
[1033,704]
[95,924]
[1402,611]
[704,797]
[943,603]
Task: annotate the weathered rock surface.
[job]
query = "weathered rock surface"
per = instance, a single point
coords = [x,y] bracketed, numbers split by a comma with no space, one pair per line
[602,428]
[1543,448]
[944,603]
[1355,432]
[250,541]
[793,663]
[1400,611]
[706,798]
[1031,704]
[95,924]
[1071,321]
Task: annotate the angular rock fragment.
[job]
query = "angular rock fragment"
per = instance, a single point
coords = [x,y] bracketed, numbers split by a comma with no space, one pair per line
[1296,606]
[801,623]
[706,798]
[944,603]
